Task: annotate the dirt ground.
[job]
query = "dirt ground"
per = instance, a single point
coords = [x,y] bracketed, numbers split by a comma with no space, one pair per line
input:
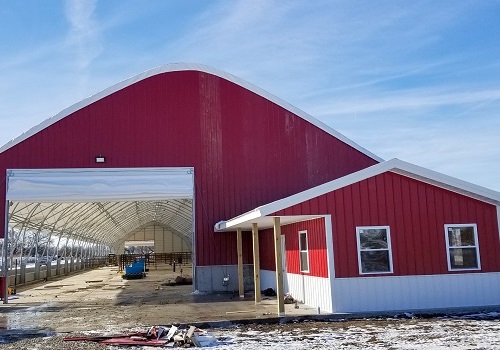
[100,300]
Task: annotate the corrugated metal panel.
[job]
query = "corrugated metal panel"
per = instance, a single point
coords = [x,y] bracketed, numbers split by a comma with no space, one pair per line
[312,291]
[416,213]
[266,249]
[415,292]
[246,150]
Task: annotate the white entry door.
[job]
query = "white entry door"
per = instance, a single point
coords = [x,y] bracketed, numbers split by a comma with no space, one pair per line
[284,267]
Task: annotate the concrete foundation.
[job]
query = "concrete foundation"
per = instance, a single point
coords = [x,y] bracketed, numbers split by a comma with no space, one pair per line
[211,278]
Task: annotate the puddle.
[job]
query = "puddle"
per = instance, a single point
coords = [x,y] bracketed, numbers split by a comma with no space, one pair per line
[12,335]
[10,330]
[3,322]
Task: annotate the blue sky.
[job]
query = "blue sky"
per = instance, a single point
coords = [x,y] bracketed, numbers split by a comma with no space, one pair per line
[416,80]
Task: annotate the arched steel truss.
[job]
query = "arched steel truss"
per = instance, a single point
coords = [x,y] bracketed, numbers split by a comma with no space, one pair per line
[102,223]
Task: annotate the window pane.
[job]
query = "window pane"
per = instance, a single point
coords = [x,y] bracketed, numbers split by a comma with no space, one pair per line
[373,239]
[303,241]
[461,236]
[377,261]
[304,266]
[463,258]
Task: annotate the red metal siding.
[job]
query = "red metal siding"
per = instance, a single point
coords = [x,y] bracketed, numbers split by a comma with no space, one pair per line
[416,213]
[246,151]
[266,250]
[316,237]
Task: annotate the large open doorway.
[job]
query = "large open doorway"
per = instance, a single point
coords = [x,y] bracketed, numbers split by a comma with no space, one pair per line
[92,213]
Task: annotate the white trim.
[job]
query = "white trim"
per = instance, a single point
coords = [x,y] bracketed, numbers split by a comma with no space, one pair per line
[330,254]
[329,246]
[306,251]
[389,249]
[476,246]
[394,165]
[176,67]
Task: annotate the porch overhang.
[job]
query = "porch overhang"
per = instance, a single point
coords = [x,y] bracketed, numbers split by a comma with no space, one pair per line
[245,222]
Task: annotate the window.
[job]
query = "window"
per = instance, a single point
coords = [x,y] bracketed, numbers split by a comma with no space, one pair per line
[462,247]
[304,252]
[374,249]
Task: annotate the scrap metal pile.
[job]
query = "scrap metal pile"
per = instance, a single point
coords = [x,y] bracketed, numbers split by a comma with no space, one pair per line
[160,336]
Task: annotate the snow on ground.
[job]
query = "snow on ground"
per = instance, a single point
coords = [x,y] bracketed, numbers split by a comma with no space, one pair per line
[470,332]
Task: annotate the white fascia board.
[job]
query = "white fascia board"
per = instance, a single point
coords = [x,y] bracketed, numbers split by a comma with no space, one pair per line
[176,67]
[447,182]
[326,187]
[251,215]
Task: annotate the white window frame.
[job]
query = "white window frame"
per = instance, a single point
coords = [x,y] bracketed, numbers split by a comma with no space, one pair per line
[476,246]
[389,249]
[304,251]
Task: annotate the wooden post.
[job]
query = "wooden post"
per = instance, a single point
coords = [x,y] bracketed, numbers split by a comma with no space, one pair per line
[279,267]
[256,263]
[239,245]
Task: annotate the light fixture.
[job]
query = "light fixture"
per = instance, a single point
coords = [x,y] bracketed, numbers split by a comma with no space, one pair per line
[100,159]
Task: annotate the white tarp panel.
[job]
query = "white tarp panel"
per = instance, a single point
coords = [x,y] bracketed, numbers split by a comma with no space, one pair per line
[98,185]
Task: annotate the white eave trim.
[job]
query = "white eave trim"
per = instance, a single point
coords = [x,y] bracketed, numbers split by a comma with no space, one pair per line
[251,215]
[394,165]
[176,67]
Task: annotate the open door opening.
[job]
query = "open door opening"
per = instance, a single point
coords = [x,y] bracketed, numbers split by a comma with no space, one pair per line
[67,219]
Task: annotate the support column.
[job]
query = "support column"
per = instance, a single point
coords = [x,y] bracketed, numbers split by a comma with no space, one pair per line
[5,292]
[256,262]
[239,245]
[279,267]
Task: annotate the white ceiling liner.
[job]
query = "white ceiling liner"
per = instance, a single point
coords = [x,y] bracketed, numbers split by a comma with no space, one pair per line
[98,185]
[107,222]
[176,67]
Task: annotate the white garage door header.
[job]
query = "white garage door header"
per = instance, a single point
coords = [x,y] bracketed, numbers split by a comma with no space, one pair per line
[99,185]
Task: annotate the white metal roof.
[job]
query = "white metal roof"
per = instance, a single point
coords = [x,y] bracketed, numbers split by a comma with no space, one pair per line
[260,214]
[185,67]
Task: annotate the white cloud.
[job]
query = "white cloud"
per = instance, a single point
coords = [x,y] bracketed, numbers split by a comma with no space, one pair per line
[84,34]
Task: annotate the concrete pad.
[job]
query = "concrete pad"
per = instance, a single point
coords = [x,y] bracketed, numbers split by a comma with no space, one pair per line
[116,303]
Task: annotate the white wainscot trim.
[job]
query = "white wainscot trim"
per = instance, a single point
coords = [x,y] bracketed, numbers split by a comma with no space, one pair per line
[389,293]
[309,290]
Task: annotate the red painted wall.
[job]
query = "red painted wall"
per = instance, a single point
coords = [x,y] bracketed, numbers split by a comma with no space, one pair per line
[246,150]
[266,249]
[416,213]
[316,236]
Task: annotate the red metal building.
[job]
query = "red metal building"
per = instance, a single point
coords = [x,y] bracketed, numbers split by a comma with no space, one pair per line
[244,145]
[393,236]
[339,228]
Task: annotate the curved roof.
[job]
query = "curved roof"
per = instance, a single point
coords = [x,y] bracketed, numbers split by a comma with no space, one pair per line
[100,205]
[176,67]
[103,222]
